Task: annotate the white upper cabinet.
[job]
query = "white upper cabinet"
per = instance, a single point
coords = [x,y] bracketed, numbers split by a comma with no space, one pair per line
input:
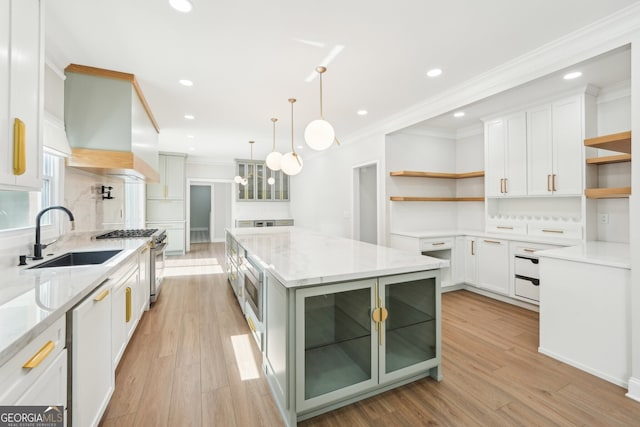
[506,156]
[21,76]
[172,179]
[554,144]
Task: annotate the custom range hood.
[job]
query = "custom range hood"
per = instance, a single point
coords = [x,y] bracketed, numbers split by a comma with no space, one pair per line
[109,124]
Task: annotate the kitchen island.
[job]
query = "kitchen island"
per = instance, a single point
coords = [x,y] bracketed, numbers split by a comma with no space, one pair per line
[337,320]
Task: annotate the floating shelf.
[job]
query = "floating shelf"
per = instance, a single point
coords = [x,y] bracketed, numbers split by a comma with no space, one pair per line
[620,142]
[607,193]
[418,174]
[620,158]
[436,199]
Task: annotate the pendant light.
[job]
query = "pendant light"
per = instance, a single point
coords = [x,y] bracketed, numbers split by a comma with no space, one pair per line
[319,134]
[274,158]
[291,162]
[243,180]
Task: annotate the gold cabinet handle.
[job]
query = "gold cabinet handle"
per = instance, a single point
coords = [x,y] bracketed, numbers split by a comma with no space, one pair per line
[501,185]
[19,147]
[127,315]
[553,182]
[473,249]
[102,295]
[166,191]
[493,241]
[504,227]
[252,326]
[505,186]
[553,231]
[42,354]
[529,250]
[437,244]
[548,182]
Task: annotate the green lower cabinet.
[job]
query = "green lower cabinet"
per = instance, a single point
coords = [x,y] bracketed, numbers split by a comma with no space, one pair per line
[355,337]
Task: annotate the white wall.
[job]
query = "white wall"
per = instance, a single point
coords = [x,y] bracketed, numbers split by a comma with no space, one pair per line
[614,115]
[367,182]
[322,194]
[221,210]
[470,158]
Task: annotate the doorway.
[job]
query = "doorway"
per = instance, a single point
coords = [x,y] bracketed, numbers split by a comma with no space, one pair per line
[200,218]
[365,198]
[209,210]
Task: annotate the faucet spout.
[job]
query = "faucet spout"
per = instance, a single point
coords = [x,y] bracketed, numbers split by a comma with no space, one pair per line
[37,247]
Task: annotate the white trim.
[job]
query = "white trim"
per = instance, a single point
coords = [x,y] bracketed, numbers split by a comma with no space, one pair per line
[634,389]
[355,201]
[583,367]
[611,32]
[209,182]
[426,131]
[53,67]
[614,92]
[202,160]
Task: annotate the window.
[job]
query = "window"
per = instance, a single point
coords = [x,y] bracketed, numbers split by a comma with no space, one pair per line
[18,209]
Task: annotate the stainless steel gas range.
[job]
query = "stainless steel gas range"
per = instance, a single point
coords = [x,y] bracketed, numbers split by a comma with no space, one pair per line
[157,245]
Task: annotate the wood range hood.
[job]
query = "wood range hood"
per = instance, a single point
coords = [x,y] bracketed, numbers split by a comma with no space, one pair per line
[109,124]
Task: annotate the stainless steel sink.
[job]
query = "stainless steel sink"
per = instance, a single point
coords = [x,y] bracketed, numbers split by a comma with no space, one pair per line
[78,258]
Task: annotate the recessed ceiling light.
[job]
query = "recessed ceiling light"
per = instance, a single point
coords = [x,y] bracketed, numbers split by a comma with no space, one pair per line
[434,73]
[183,6]
[362,112]
[572,75]
[190,136]
[458,114]
[185,82]
[189,117]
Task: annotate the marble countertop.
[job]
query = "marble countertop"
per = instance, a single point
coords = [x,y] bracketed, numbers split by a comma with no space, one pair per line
[426,234]
[299,257]
[31,300]
[601,253]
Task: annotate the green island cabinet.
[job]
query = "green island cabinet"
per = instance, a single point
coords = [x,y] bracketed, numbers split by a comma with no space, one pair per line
[333,344]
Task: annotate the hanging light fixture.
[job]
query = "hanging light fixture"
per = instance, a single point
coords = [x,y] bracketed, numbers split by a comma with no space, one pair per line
[274,158]
[291,162]
[243,180]
[319,134]
[271,180]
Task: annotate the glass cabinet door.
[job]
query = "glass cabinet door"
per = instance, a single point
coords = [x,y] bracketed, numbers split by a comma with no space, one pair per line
[411,329]
[334,343]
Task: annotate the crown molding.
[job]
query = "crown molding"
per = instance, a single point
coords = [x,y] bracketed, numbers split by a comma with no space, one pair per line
[614,92]
[599,37]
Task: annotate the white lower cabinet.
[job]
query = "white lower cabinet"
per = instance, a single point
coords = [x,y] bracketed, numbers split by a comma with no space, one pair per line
[493,265]
[470,260]
[175,236]
[125,308]
[37,374]
[92,376]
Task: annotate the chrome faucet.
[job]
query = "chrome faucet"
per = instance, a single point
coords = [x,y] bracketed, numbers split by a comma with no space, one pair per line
[38,247]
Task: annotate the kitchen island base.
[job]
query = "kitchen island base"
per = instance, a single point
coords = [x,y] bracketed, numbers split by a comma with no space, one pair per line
[331,345]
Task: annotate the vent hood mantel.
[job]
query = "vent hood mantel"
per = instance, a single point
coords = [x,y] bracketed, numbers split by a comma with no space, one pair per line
[109,124]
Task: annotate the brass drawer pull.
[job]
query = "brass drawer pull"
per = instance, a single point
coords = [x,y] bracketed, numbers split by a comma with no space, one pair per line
[252,326]
[438,244]
[504,227]
[553,231]
[42,354]
[493,241]
[127,305]
[102,295]
[19,147]
[529,250]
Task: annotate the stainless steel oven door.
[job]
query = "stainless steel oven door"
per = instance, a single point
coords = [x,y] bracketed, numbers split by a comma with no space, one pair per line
[157,270]
[253,289]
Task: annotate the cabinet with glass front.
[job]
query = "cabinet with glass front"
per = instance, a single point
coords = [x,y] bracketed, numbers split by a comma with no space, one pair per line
[259,187]
[356,337]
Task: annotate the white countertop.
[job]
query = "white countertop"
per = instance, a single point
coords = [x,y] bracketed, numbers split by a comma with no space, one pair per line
[31,300]
[299,257]
[426,234]
[595,252]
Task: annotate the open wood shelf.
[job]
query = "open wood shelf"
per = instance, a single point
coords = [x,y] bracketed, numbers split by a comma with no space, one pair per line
[620,158]
[620,142]
[607,193]
[418,174]
[436,199]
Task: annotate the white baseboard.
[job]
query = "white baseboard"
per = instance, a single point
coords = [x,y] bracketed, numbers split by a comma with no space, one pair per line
[617,381]
[499,297]
[634,389]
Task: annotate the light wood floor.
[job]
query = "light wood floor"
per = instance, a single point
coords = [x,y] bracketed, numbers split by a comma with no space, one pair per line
[191,363]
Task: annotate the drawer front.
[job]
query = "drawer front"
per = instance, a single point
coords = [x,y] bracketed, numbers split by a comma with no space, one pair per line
[527,267]
[244,223]
[507,228]
[560,231]
[527,289]
[42,352]
[435,244]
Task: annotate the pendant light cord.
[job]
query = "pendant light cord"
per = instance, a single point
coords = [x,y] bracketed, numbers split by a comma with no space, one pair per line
[273,147]
[293,150]
[321,115]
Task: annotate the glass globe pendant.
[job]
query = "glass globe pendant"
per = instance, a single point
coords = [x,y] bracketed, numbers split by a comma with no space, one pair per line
[271,180]
[274,158]
[319,134]
[291,162]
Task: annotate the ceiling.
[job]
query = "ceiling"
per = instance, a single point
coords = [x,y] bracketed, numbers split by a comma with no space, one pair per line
[247,57]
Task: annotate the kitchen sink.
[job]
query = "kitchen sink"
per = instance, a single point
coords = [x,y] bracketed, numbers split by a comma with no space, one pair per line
[71,259]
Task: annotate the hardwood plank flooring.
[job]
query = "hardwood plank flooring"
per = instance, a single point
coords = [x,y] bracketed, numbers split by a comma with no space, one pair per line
[192,362]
